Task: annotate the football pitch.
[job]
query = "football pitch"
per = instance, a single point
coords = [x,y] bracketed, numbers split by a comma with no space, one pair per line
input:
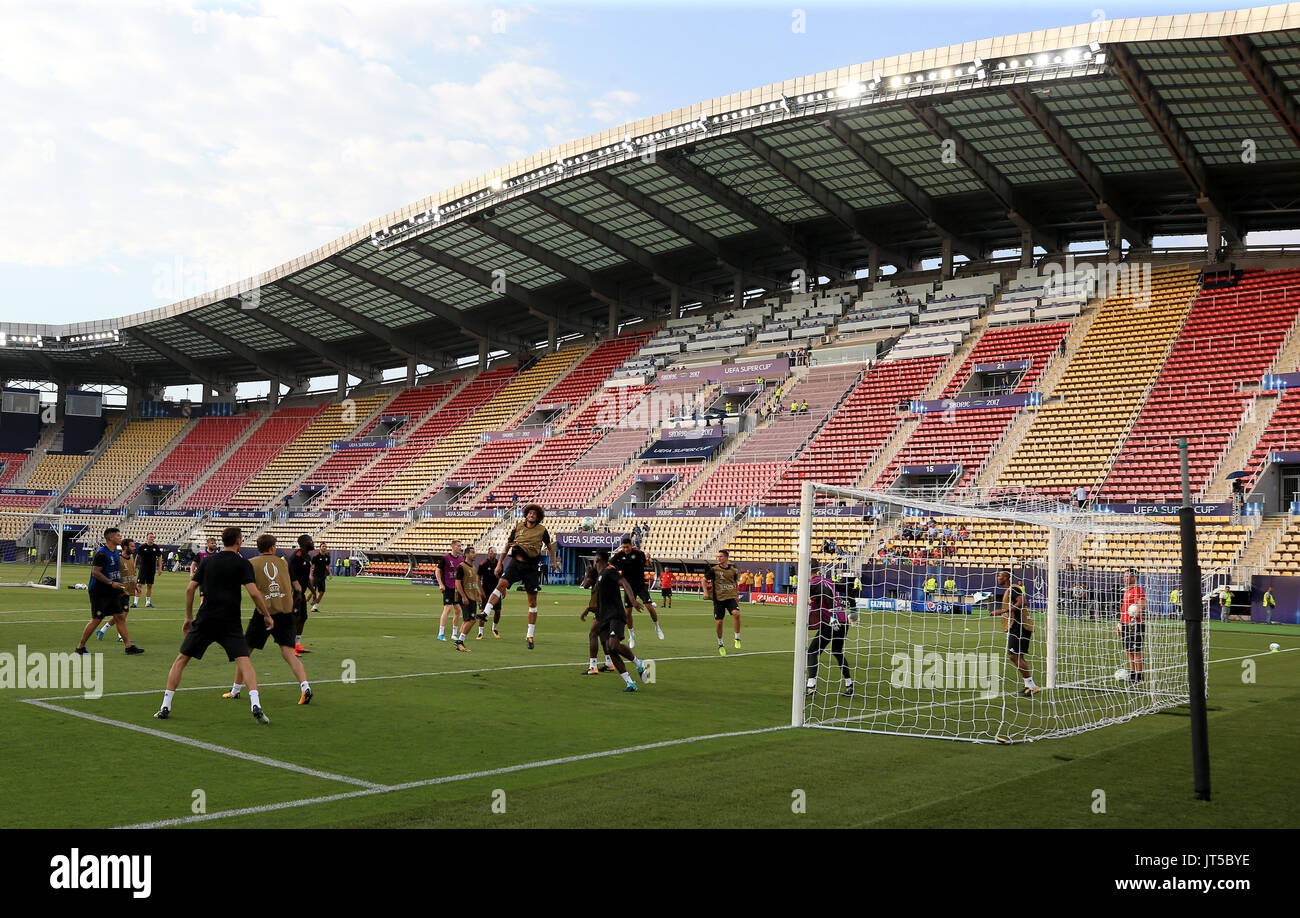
[406,732]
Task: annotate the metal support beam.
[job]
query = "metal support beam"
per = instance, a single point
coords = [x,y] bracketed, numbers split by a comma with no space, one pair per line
[431,305]
[916,196]
[400,342]
[557,263]
[681,168]
[329,353]
[258,359]
[825,198]
[539,306]
[1180,147]
[203,373]
[1104,198]
[1021,211]
[1264,79]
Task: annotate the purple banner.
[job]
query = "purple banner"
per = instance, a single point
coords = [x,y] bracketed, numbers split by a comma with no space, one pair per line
[1271,382]
[551,406]
[1223,509]
[160,487]
[1016,400]
[1286,596]
[239,515]
[306,514]
[661,477]
[394,418]
[1004,366]
[523,433]
[28,491]
[855,513]
[375,515]
[457,485]
[574,513]
[938,468]
[665,512]
[688,449]
[174,513]
[715,374]
[741,390]
[92,511]
[460,514]
[589,539]
[363,443]
[691,433]
[1284,456]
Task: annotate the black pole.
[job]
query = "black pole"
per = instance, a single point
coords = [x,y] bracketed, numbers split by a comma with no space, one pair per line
[1192,619]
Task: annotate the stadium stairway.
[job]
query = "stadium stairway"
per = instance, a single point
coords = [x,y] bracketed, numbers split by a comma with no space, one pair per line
[1257,555]
[1240,448]
[958,358]
[888,452]
[52,469]
[179,499]
[43,446]
[140,443]
[130,490]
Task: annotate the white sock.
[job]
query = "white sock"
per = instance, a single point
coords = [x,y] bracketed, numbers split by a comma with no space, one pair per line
[442,632]
[593,663]
[253,700]
[609,662]
[532,629]
[480,630]
[1029,682]
[236,688]
[627,677]
[303,686]
[719,642]
[812,683]
[167,699]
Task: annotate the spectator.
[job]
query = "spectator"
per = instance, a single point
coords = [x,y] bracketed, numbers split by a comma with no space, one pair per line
[931,585]
[804,408]
[950,585]
[1270,603]
[1081,497]
[962,533]
[947,531]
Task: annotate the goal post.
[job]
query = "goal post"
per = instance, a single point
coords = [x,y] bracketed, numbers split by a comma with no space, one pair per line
[1005,617]
[31,549]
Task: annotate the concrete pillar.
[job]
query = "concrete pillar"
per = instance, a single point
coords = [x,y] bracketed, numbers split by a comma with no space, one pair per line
[1213,236]
[411,363]
[946,267]
[738,291]
[552,335]
[675,299]
[613,319]
[1114,244]
[482,354]
[873,266]
[1026,249]
[343,384]
[61,399]
[273,396]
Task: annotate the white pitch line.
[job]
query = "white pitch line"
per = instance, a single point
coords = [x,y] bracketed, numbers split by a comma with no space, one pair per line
[225,686]
[450,779]
[199,744]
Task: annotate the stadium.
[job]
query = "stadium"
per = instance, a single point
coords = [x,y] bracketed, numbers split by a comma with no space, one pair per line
[934,324]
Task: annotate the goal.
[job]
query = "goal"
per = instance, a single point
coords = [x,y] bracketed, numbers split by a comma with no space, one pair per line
[925,633]
[31,550]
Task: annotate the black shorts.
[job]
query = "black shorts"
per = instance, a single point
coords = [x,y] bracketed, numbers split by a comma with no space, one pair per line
[469,610]
[1018,640]
[146,576]
[488,587]
[282,630]
[449,597]
[608,626]
[204,633]
[300,606]
[106,605]
[524,572]
[642,593]
[666,593]
[318,585]
[1132,636]
[722,606]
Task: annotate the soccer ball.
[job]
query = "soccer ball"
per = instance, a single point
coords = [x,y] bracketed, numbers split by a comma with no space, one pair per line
[1134,608]
[1273,648]
[586,523]
[1120,675]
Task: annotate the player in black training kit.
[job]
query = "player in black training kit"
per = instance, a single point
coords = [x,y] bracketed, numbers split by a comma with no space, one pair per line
[320,569]
[487,576]
[223,576]
[631,563]
[611,616]
[300,573]
[148,556]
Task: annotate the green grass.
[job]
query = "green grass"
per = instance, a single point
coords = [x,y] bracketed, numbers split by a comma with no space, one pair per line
[418,712]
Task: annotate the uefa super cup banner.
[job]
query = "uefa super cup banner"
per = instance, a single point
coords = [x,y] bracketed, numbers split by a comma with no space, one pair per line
[853,513]
[144,511]
[363,443]
[729,371]
[590,539]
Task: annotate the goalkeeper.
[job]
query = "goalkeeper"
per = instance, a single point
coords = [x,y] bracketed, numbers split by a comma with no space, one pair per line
[826,617]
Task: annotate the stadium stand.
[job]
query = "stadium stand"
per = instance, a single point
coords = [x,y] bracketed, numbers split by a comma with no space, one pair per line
[1281,434]
[770,539]
[1229,339]
[361,533]
[195,454]
[1072,442]
[265,443]
[433,535]
[547,464]
[10,465]
[334,421]
[967,437]
[846,445]
[167,530]
[121,463]
[677,536]
[56,470]
[1218,544]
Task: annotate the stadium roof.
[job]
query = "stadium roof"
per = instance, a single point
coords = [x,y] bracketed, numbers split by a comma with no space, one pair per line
[1141,127]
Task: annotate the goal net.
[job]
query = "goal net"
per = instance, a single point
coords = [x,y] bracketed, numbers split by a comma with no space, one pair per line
[31,549]
[927,614]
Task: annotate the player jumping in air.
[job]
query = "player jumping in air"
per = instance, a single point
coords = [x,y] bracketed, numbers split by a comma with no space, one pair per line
[721,585]
[524,547]
[631,563]
[611,616]
[445,573]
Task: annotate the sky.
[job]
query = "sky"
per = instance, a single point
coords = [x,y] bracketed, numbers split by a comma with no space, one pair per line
[155,151]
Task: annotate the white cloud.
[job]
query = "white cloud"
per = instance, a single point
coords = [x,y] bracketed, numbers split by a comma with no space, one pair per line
[238,141]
